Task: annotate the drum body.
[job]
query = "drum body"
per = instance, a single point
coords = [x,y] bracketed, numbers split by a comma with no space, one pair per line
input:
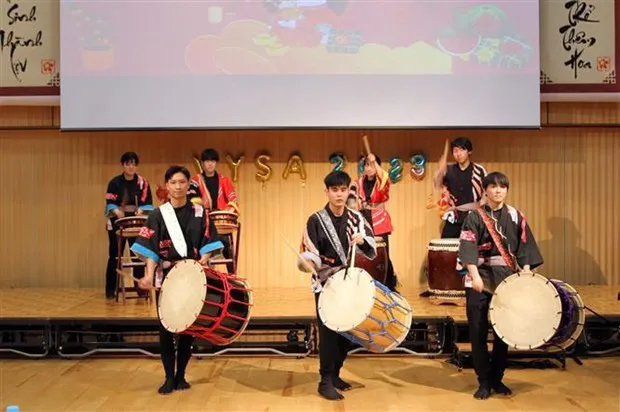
[529,311]
[226,222]
[442,265]
[377,267]
[365,311]
[201,302]
[129,226]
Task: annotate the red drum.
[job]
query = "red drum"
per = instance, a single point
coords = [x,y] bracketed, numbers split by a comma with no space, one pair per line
[442,265]
[377,267]
[204,303]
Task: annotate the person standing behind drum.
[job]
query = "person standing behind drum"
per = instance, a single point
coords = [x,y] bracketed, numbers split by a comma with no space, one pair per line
[176,230]
[374,192]
[326,243]
[496,241]
[214,191]
[460,183]
[128,194]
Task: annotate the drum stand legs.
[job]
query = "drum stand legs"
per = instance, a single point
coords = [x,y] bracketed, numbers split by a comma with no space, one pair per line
[124,263]
[233,242]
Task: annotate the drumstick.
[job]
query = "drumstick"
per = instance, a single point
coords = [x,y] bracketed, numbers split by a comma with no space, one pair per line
[127,275]
[306,264]
[366,144]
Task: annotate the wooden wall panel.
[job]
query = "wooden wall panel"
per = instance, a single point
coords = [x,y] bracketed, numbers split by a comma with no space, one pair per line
[53,230]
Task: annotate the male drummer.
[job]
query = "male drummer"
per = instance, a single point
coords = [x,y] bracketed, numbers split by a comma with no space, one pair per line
[128,194]
[326,244]
[374,192]
[496,241]
[214,191]
[176,230]
[460,183]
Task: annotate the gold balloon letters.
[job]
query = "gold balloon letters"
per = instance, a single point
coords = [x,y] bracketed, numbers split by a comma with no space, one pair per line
[234,166]
[264,170]
[295,165]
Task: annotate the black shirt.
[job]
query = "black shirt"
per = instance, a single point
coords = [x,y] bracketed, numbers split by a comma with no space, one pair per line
[368,186]
[213,185]
[459,183]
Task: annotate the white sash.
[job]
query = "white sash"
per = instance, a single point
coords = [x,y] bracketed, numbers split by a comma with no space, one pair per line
[174,229]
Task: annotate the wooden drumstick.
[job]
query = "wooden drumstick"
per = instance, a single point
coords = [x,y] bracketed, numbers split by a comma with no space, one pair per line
[306,264]
[127,275]
[366,145]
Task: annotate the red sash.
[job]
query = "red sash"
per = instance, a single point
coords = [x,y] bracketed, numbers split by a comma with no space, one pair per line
[496,238]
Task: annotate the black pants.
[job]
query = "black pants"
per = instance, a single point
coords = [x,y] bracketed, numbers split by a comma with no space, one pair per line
[333,348]
[110,274]
[489,368]
[171,356]
[451,230]
[390,280]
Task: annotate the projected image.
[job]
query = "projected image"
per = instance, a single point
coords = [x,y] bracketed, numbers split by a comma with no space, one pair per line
[485,35]
[301,37]
[336,36]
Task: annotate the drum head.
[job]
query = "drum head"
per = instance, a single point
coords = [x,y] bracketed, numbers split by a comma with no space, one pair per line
[182,296]
[346,303]
[525,311]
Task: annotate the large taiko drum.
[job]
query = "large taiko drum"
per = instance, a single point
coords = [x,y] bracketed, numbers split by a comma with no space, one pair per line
[377,267]
[529,311]
[442,276]
[204,303]
[364,311]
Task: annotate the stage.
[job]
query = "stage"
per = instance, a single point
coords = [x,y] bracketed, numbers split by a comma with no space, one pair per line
[429,371]
[38,322]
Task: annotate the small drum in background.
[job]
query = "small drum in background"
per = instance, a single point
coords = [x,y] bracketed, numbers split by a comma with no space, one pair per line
[129,226]
[529,311]
[442,276]
[226,222]
[377,267]
[201,302]
[364,311]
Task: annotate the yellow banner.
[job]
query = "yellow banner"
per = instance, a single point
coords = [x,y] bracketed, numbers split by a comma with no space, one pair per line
[29,45]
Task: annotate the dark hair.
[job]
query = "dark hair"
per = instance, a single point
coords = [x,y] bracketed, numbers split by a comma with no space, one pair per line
[130,156]
[336,179]
[463,143]
[173,170]
[377,158]
[210,154]
[495,178]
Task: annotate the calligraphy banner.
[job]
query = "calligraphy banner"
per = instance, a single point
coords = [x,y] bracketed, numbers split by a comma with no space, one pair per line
[29,47]
[579,46]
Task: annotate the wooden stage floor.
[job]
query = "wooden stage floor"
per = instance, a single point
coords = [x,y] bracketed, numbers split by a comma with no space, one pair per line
[297,303]
[278,384]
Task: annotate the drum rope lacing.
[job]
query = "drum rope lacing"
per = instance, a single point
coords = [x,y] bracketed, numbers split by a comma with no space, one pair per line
[383,333]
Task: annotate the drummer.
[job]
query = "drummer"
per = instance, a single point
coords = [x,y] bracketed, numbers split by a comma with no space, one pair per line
[128,194]
[373,189]
[326,241]
[460,184]
[496,241]
[174,231]
[214,191]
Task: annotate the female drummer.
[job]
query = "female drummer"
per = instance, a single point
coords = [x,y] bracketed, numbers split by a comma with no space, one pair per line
[327,238]
[176,230]
[374,192]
